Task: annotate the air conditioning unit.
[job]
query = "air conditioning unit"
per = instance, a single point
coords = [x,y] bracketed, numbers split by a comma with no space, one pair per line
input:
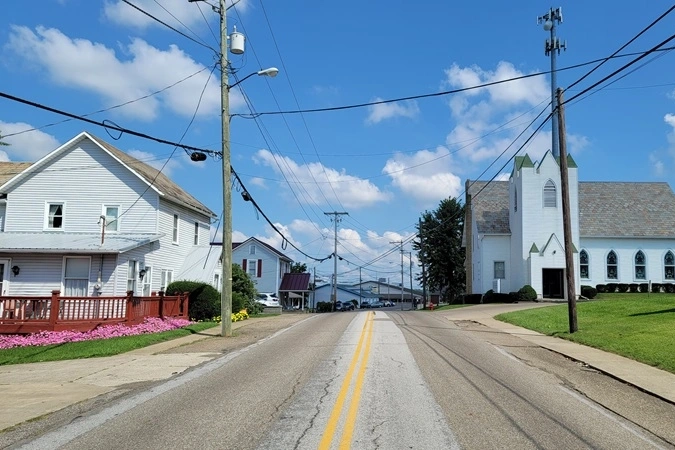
[497,285]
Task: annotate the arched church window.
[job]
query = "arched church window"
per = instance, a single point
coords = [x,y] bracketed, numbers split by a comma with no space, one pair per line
[612,266]
[640,266]
[669,265]
[549,195]
[583,264]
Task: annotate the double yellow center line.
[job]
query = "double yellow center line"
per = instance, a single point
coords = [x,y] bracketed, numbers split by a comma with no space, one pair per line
[350,420]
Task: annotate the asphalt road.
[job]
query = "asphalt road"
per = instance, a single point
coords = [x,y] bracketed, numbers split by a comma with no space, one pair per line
[386,379]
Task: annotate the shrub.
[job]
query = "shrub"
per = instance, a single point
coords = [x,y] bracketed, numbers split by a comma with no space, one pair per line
[487,297]
[527,293]
[623,287]
[656,287]
[204,299]
[589,292]
[514,297]
[669,288]
[324,307]
[611,287]
[644,287]
[252,306]
[601,288]
[633,287]
[472,299]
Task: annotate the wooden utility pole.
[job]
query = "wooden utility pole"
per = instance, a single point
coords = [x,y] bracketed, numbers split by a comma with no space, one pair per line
[424,273]
[567,217]
[336,219]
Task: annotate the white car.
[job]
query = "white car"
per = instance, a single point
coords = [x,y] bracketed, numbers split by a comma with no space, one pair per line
[267,299]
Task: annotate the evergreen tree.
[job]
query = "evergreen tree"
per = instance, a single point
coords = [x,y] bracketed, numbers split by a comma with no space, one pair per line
[439,247]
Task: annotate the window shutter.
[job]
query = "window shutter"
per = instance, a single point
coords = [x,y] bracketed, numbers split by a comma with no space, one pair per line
[243,265]
[259,268]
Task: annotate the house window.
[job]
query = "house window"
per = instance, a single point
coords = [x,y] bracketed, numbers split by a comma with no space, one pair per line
[612,266]
[175,229]
[76,277]
[669,266]
[583,264]
[166,280]
[147,281]
[640,266]
[55,216]
[132,273]
[112,220]
[251,249]
[196,241]
[252,267]
[500,270]
[549,195]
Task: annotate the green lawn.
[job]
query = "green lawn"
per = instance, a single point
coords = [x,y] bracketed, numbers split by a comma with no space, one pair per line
[637,326]
[95,348]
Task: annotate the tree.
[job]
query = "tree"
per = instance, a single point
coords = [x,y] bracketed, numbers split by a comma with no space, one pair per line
[242,283]
[1,141]
[298,268]
[439,248]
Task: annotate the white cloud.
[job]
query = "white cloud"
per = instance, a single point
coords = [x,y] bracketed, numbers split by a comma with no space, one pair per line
[186,12]
[378,113]
[425,175]
[657,164]
[313,181]
[488,120]
[260,182]
[29,146]
[93,67]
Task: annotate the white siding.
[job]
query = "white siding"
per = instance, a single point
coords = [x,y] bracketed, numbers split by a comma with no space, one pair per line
[269,281]
[84,178]
[625,249]
[3,210]
[495,248]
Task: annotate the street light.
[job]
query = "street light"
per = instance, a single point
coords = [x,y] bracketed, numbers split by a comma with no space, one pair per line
[236,47]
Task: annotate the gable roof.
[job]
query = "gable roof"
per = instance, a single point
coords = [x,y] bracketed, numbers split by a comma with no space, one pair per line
[618,209]
[236,245]
[295,282]
[149,175]
[490,206]
[606,209]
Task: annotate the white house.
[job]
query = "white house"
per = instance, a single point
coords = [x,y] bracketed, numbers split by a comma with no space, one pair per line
[88,219]
[265,265]
[513,231]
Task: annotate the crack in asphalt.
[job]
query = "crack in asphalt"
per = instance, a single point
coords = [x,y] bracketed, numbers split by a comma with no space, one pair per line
[318,409]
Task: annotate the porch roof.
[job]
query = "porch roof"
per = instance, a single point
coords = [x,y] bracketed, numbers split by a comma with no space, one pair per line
[295,282]
[72,242]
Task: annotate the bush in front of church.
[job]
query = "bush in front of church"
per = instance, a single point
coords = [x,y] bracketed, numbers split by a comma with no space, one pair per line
[527,294]
[589,292]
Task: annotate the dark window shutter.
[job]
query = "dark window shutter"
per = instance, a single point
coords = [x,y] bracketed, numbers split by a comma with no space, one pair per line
[259,268]
[243,265]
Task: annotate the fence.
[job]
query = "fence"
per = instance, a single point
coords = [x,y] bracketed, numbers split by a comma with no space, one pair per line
[23,315]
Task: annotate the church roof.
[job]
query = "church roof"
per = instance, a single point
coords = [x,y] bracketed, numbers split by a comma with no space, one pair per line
[490,209]
[617,209]
[606,209]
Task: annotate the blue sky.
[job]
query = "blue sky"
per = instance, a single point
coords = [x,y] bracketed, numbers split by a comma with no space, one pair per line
[383,164]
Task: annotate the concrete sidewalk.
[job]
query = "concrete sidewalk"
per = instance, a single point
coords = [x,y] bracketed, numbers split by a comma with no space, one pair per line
[33,390]
[647,378]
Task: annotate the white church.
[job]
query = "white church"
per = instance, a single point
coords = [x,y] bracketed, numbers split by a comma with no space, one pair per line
[513,232]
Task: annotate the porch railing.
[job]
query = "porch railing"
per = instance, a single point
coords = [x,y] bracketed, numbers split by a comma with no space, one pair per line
[22,315]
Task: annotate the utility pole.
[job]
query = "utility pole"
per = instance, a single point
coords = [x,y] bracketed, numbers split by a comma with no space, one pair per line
[552,47]
[567,218]
[336,218]
[424,273]
[401,244]
[412,303]
[226,291]
[360,286]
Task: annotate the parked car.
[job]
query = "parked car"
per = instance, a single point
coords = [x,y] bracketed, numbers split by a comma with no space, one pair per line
[344,306]
[365,304]
[388,303]
[267,299]
[376,304]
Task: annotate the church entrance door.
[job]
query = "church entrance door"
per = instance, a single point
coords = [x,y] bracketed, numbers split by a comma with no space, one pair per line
[552,283]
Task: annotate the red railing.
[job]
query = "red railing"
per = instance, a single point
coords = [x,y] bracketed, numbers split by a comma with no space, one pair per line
[22,315]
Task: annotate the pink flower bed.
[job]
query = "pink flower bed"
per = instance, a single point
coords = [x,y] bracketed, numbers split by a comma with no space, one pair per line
[150,325]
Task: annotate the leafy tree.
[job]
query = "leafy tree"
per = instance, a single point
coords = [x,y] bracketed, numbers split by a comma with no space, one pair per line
[439,247]
[1,141]
[242,283]
[298,268]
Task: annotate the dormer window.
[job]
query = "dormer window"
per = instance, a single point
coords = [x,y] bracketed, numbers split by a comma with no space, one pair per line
[550,195]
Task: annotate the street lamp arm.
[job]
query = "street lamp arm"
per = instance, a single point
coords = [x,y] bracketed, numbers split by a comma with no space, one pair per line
[271,72]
